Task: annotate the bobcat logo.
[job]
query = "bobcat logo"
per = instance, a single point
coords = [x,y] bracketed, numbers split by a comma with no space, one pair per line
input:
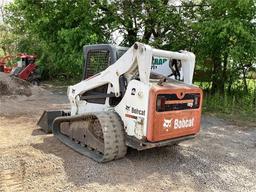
[127,108]
[167,123]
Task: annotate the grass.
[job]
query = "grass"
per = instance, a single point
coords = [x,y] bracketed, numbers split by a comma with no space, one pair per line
[236,106]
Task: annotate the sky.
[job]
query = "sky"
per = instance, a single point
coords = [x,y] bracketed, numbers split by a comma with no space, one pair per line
[2,3]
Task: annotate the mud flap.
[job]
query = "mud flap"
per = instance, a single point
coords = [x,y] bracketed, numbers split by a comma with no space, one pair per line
[47,118]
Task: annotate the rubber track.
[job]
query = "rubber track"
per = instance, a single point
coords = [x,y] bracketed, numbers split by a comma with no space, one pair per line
[113,132]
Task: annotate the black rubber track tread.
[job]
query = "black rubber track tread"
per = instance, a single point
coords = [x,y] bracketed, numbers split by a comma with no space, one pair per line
[113,132]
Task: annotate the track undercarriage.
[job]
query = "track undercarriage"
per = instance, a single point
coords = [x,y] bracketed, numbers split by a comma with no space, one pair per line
[99,136]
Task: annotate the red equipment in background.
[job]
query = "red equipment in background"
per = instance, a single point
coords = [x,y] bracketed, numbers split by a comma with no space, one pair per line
[25,68]
[3,61]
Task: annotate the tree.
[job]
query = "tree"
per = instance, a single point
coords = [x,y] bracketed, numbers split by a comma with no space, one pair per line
[227,37]
[154,22]
[56,31]
[7,40]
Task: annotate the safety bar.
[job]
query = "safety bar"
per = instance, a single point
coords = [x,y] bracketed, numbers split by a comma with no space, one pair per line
[171,54]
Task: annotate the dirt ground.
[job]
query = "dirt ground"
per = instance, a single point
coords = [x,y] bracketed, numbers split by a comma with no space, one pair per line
[221,158]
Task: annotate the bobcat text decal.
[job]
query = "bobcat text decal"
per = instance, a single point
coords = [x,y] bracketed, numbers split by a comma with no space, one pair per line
[178,123]
[135,110]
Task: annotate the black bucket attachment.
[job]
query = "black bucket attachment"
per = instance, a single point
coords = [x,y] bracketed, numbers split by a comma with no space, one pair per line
[47,118]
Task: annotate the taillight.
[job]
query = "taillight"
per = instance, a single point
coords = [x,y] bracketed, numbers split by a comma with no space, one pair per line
[197,100]
[160,103]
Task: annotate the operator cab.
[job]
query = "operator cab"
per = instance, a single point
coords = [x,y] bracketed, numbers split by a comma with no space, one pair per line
[23,62]
[26,60]
[98,57]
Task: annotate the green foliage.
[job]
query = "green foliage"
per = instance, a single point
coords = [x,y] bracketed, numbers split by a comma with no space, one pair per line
[227,38]
[56,32]
[236,104]
[8,41]
[156,22]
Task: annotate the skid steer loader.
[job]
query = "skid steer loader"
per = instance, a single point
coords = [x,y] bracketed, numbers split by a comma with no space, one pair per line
[122,102]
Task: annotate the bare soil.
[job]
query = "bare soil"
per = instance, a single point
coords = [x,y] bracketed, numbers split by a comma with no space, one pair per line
[221,158]
[14,86]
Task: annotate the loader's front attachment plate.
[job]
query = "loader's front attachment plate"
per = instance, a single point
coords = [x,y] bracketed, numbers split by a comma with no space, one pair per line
[46,119]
